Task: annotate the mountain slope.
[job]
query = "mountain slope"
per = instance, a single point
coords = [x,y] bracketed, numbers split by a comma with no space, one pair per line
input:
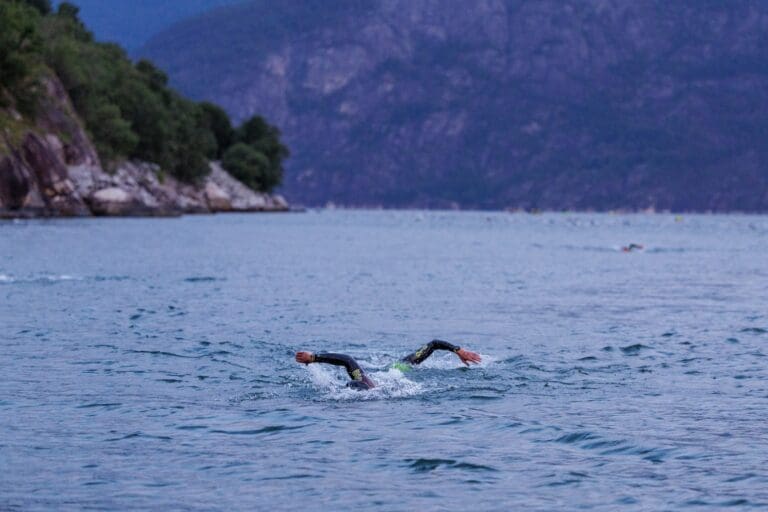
[131,23]
[496,103]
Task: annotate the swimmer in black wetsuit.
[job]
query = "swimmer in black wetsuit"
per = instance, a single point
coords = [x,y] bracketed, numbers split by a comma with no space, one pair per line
[632,247]
[361,381]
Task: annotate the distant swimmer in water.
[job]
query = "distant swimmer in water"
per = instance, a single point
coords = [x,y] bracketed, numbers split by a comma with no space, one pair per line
[632,247]
[361,381]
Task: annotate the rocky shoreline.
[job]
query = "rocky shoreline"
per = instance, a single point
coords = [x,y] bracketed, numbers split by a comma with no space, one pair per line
[52,170]
[36,182]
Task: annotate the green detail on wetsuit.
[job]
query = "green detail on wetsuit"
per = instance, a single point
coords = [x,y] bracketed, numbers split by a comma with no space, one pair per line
[403,367]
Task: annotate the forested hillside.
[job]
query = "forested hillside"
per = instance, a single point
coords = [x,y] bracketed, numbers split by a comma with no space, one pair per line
[68,101]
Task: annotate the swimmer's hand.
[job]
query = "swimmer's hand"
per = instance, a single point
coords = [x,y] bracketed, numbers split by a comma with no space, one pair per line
[305,357]
[467,356]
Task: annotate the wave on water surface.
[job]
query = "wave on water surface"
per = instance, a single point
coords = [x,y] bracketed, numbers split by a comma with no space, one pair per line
[429,465]
[591,441]
[42,278]
[45,278]
[203,279]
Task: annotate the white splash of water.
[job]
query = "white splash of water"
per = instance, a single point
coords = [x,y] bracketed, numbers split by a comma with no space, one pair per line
[322,378]
[442,361]
[389,384]
[393,383]
[40,278]
[62,277]
[376,360]
[487,360]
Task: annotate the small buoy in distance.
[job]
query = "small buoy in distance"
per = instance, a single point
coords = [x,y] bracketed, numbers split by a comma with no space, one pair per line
[678,218]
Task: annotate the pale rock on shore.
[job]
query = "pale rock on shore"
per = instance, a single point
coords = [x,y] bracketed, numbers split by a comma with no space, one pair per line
[35,182]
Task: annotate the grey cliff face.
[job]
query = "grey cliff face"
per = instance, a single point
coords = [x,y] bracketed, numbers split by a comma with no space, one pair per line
[497,103]
[35,180]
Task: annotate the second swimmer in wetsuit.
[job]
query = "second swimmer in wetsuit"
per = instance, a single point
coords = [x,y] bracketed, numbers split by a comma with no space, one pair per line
[361,381]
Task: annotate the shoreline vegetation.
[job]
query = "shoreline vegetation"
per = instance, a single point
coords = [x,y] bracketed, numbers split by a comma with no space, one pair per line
[86,131]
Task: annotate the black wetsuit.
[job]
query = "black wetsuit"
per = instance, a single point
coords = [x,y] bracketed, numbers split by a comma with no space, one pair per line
[426,351]
[360,380]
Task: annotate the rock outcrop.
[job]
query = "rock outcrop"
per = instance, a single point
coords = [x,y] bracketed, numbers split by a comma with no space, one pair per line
[34,181]
[137,189]
[55,171]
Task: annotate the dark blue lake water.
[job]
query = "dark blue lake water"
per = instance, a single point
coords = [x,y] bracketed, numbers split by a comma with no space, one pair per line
[147,364]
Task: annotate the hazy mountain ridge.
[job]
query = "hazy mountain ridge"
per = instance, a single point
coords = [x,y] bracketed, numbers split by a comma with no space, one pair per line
[502,103]
[131,22]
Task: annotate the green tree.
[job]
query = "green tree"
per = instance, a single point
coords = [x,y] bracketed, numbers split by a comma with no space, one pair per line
[19,45]
[113,134]
[150,118]
[217,121]
[257,133]
[251,167]
[76,28]
[69,10]
[191,142]
[157,78]
[42,6]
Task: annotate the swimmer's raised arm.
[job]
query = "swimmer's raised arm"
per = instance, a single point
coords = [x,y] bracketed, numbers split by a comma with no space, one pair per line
[424,352]
[353,369]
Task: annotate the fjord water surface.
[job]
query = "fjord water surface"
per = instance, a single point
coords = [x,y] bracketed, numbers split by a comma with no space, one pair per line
[147,364]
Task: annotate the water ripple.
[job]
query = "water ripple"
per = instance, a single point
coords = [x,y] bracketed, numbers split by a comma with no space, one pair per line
[428,465]
[264,430]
